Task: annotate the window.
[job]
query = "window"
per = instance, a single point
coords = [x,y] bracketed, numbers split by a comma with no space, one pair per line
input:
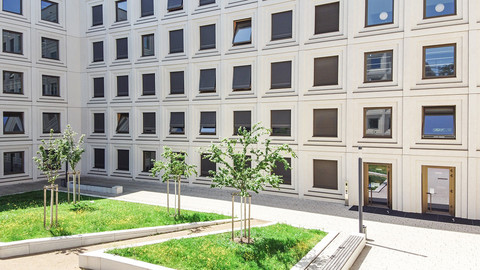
[438,122]
[281,122]
[437,8]
[325,123]
[149,123]
[13,6]
[12,42]
[97,15]
[325,71]
[282,25]
[123,160]
[50,48]
[281,75]
[208,80]
[13,163]
[147,8]
[148,83]
[439,61]
[177,123]
[99,158]
[206,166]
[177,85]
[174,5]
[98,87]
[285,174]
[378,12]
[378,66]
[148,45]
[176,41]
[13,123]
[327,18]
[98,51]
[242,119]
[325,174]
[122,86]
[242,78]
[51,121]
[377,123]
[98,123]
[121,11]
[50,86]
[12,82]
[242,32]
[148,160]
[122,48]
[206,2]
[207,37]
[122,123]
[208,123]
[49,11]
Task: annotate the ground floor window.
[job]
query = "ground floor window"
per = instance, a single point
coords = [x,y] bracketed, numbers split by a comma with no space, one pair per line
[13,163]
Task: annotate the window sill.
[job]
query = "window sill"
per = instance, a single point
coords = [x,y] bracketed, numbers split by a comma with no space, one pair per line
[325,90]
[440,22]
[377,29]
[97,101]
[174,14]
[119,62]
[439,83]
[125,99]
[96,28]
[14,16]
[50,25]
[207,96]
[176,97]
[116,25]
[287,92]
[98,171]
[176,138]
[207,138]
[242,49]
[326,37]
[175,56]
[236,3]
[241,94]
[15,57]
[290,42]
[52,99]
[147,59]
[207,53]
[148,98]
[206,8]
[101,64]
[121,173]
[324,140]
[51,62]
[148,137]
[146,19]
[98,136]
[122,136]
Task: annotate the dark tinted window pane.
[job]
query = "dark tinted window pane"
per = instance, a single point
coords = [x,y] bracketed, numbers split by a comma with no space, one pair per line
[50,48]
[206,2]
[12,42]
[122,123]
[281,122]
[147,8]
[435,8]
[379,12]
[121,10]
[282,25]
[325,123]
[206,166]
[325,71]
[325,174]
[176,41]
[13,163]
[123,160]
[148,160]
[242,32]
[177,82]
[207,80]
[149,123]
[49,11]
[378,122]
[14,6]
[98,51]
[439,61]
[99,158]
[378,66]
[286,174]
[208,124]
[122,86]
[122,48]
[50,85]
[13,123]
[98,87]
[242,119]
[242,78]
[148,82]
[439,122]
[51,121]
[98,123]
[148,45]
[281,75]
[327,18]
[97,15]
[207,37]
[177,123]
[175,5]
[12,82]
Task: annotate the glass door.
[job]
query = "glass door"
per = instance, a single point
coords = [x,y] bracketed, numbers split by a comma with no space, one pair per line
[378,184]
[438,190]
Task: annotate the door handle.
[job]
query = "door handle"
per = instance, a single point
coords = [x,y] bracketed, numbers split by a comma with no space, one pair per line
[451,190]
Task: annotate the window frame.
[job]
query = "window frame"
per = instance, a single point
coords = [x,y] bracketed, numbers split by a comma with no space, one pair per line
[21,82]
[200,4]
[170,124]
[57,42]
[205,90]
[95,158]
[23,163]
[336,172]
[119,117]
[21,8]
[145,77]
[116,10]
[235,30]
[272,38]
[379,24]
[208,46]
[147,13]
[146,130]
[173,49]
[365,58]
[280,167]
[97,58]
[144,156]
[21,42]
[152,35]
[439,16]
[120,86]
[117,54]
[424,50]
[119,168]
[95,130]
[174,8]
[233,79]
[317,31]
[56,11]
[203,162]
[280,85]
[314,123]
[51,77]
[103,87]
[235,130]
[59,123]
[440,137]
[22,119]
[365,135]
[337,70]
[271,123]
[97,22]
[203,125]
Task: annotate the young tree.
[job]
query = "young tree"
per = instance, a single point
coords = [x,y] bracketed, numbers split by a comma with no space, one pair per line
[73,150]
[173,167]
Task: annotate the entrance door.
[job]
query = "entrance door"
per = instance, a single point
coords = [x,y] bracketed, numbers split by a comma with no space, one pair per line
[377,188]
[438,190]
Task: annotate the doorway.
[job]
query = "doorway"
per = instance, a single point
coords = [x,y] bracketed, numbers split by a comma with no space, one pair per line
[377,184]
[438,190]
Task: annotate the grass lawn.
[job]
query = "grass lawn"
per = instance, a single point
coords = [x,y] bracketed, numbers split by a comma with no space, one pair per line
[21,216]
[278,246]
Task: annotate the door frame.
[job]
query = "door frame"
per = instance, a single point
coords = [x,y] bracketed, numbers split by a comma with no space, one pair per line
[451,184]
[389,182]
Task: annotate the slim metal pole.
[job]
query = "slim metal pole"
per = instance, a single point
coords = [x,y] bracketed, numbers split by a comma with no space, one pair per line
[233,210]
[360,193]
[179,193]
[56,207]
[168,197]
[249,208]
[44,207]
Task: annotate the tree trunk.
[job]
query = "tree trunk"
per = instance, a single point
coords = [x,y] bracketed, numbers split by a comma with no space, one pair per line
[179,184]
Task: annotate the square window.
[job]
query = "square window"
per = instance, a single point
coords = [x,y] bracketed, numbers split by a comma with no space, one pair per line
[325,174]
[98,123]
[49,11]
[147,8]
[123,160]
[12,82]
[438,122]
[50,86]
[242,119]
[122,48]
[99,158]
[50,48]
[98,87]
[377,122]
[13,6]
[122,123]
[177,123]
[51,121]
[208,80]
[327,18]
[12,42]
[98,51]
[325,71]
[242,32]
[281,75]
[177,84]
[13,123]
[122,86]
[207,37]
[149,123]
[148,45]
[281,122]
[206,166]
[206,2]
[148,83]
[208,123]
[438,8]
[325,123]
[242,78]
[97,15]
[285,174]
[176,41]
[148,160]
[439,61]
[13,163]
[378,66]
[378,12]
[121,11]
[282,25]
[174,5]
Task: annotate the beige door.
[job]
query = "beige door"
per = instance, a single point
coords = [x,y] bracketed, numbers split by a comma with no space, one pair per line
[438,189]
[377,180]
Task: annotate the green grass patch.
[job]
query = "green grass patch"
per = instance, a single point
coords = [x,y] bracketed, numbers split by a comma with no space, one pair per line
[21,216]
[278,246]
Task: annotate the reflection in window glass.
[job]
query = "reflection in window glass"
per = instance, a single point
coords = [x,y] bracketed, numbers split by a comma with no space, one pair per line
[13,163]
[436,8]
[148,160]
[177,123]
[379,12]
[50,86]
[242,119]
[243,32]
[50,48]
[439,122]
[121,10]
[49,11]
[14,6]
[148,45]
[97,15]
[439,61]
[281,122]
[174,5]
[13,123]
[378,66]
[378,122]
[51,121]
[208,123]
[208,79]
[12,82]
[122,123]
[12,42]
